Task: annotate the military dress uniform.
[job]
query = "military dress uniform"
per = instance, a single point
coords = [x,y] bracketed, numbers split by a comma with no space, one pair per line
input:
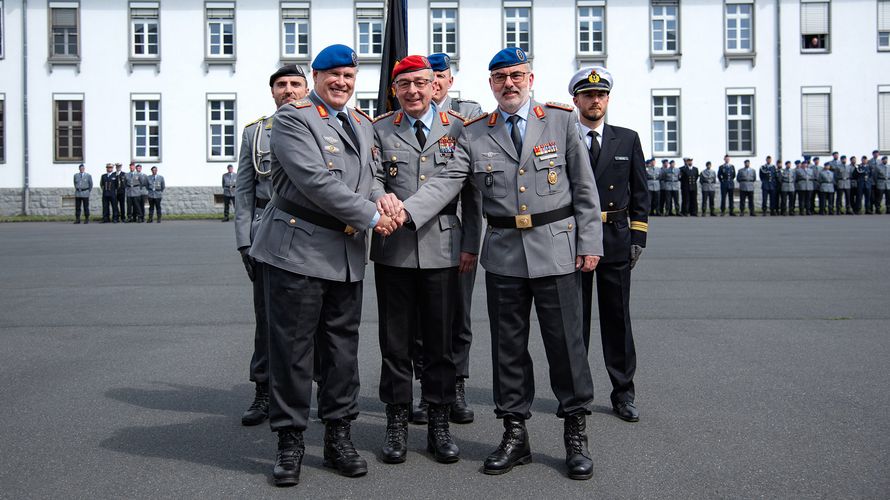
[653,173]
[843,174]
[726,175]
[83,186]
[143,194]
[804,183]
[708,181]
[689,186]
[864,186]
[155,186]
[228,186]
[746,178]
[121,195]
[826,191]
[670,194]
[134,196]
[882,186]
[108,181]
[786,191]
[768,186]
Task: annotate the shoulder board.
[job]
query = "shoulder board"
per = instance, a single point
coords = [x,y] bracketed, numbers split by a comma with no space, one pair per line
[359,111]
[474,120]
[255,121]
[302,103]
[457,115]
[384,115]
[539,112]
[322,111]
[466,101]
[443,117]
[559,105]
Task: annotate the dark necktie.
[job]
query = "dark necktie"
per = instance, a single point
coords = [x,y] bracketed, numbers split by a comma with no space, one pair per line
[418,132]
[515,135]
[344,121]
[594,148]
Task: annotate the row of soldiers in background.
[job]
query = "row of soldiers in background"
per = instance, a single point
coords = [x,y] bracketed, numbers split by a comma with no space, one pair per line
[841,187]
[123,194]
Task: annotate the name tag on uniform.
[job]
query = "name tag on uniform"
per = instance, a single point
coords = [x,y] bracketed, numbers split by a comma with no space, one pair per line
[547,157]
[621,158]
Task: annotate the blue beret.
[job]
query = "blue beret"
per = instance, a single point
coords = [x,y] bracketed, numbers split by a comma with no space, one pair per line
[797,162]
[510,56]
[439,61]
[334,56]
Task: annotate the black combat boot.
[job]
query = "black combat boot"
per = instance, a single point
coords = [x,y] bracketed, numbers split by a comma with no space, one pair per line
[577,456]
[460,412]
[438,436]
[290,456]
[339,452]
[150,219]
[513,450]
[419,414]
[395,445]
[259,409]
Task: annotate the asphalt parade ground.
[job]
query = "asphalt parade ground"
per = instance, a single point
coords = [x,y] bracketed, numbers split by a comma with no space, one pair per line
[763,351]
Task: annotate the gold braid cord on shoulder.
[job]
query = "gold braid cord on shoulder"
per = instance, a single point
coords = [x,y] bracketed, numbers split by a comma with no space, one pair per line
[257,153]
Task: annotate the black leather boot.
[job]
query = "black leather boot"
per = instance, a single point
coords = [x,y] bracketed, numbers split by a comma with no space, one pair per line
[290,456]
[339,452]
[513,450]
[419,413]
[460,412]
[259,409]
[395,445]
[577,456]
[438,436]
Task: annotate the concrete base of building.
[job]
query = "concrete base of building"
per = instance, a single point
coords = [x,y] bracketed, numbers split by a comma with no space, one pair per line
[60,201]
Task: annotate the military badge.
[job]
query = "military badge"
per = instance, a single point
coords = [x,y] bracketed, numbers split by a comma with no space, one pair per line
[393,170]
[489,155]
[552,178]
[593,77]
[332,149]
[322,111]
[446,146]
[539,112]
[330,139]
[546,151]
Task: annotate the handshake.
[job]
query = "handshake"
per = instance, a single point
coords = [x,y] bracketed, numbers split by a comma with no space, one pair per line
[392,214]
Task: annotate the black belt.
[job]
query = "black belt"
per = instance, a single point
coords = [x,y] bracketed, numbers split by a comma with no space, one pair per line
[261,203]
[449,209]
[532,220]
[319,219]
[614,216]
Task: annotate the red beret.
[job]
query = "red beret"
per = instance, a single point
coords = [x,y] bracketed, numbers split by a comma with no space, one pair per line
[409,64]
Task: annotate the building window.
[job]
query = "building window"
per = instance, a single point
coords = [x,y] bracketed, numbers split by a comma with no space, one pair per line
[295,31]
[443,29]
[65,42]
[146,120]
[68,118]
[883,24]
[144,29]
[739,28]
[665,124]
[665,27]
[883,118]
[367,104]
[369,31]
[518,26]
[220,40]
[815,26]
[591,29]
[2,127]
[221,128]
[740,122]
[816,120]
[2,32]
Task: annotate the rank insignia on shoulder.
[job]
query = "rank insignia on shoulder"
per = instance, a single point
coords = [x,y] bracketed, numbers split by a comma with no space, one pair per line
[559,105]
[492,119]
[443,116]
[457,115]
[269,126]
[398,120]
[302,103]
[539,112]
[474,120]
[256,121]
[384,115]
[361,112]
[322,111]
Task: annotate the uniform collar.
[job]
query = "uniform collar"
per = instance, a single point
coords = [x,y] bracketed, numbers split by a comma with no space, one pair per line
[426,119]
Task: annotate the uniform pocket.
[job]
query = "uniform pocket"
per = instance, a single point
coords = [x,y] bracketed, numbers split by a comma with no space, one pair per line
[550,175]
[490,177]
[563,233]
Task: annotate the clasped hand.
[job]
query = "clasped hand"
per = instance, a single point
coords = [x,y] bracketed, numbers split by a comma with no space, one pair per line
[392,214]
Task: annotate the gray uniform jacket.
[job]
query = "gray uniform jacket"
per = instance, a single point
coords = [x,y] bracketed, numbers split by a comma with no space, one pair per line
[316,166]
[228,184]
[134,184]
[708,180]
[842,174]
[404,167]
[826,181]
[786,180]
[467,109]
[156,186]
[804,178]
[670,179]
[254,179]
[746,178]
[882,176]
[537,180]
[83,185]
[143,184]
[652,176]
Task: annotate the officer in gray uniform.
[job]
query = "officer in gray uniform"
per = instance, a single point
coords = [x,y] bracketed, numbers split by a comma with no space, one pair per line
[746,178]
[155,186]
[663,207]
[143,192]
[253,190]
[228,185]
[815,169]
[416,272]
[804,183]
[843,174]
[882,186]
[726,175]
[708,182]
[671,178]
[786,190]
[83,186]
[441,65]
[312,242]
[653,173]
[543,215]
[826,190]
[134,194]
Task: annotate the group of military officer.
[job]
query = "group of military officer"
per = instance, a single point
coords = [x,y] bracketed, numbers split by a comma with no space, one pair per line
[123,194]
[840,187]
[564,201]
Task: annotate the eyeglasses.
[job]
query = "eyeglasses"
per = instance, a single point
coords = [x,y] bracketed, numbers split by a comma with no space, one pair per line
[516,77]
[419,83]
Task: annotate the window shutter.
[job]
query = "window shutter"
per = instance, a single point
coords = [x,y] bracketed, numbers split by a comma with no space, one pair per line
[816,122]
[814,18]
[884,15]
[884,121]
[64,17]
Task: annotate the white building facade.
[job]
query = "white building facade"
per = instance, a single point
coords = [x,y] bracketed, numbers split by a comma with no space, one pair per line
[172,83]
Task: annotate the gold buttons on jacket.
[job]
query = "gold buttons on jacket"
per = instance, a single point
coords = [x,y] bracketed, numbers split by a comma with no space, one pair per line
[394,157]
[423,158]
[488,168]
[551,163]
[611,204]
[293,221]
[330,164]
[423,177]
[521,189]
[571,226]
[523,208]
[521,172]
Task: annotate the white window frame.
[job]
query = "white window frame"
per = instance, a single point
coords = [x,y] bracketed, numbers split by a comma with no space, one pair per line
[140,14]
[298,15]
[366,96]
[809,28]
[810,115]
[369,16]
[592,19]
[221,15]
[517,20]
[735,34]
[67,57]
[138,101]
[227,128]
[737,95]
[438,25]
[883,22]
[884,119]
[660,99]
[68,98]
[658,14]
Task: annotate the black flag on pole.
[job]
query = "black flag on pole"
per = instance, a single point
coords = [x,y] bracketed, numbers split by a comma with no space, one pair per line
[395,48]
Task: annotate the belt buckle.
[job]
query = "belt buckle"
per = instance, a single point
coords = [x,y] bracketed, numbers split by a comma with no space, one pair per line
[349,230]
[523,221]
[604,216]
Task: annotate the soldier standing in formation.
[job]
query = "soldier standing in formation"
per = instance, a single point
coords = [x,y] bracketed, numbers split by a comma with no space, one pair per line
[866,183]
[768,187]
[663,188]
[121,195]
[816,169]
[826,190]
[653,173]
[671,186]
[708,182]
[726,175]
[134,193]
[108,181]
[746,178]
[155,186]
[83,186]
[143,191]
[803,178]
[786,190]
[882,186]
[689,185]
[228,185]
[843,174]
